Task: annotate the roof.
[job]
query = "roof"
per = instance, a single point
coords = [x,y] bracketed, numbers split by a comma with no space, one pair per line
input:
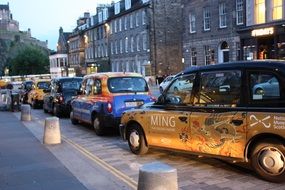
[273,64]
[114,74]
[6,7]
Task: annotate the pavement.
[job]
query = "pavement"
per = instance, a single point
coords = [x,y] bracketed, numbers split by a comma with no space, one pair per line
[26,164]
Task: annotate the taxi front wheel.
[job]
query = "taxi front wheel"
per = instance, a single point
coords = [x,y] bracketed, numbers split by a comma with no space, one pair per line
[136,140]
[268,160]
[73,120]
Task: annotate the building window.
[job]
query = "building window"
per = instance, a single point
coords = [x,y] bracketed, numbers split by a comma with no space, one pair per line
[277,9]
[239,11]
[138,42]
[259,11]
[206,18]
[128,4]
[126,44]
[132,43]
[131,21]
[137,18]
[121,46]
[144,41]
[143,17]
[207,54]
[193,56]
[192,21]
[115,26]
[120,24]
[223,15]
[116,47]
[126,22]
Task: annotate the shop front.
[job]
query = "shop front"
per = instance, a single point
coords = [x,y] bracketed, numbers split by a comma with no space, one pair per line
[263,42]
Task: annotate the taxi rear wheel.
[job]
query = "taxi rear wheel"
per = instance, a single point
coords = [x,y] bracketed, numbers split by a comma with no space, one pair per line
[34,104]
[268,160]
[98,126]
[136,140]
[56,111]
[73,120]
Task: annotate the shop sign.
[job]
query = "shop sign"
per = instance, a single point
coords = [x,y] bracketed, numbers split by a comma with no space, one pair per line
[262,32]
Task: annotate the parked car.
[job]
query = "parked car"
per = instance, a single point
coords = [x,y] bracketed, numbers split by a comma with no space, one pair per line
[268,89]
[25,89]
[105,96]
[58,97]
[165,82]
[219,116]
[35,95]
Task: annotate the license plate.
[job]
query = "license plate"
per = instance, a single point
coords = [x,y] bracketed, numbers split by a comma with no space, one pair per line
[133,104]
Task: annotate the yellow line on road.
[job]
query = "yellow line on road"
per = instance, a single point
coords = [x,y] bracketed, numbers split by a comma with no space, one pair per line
[132,183]
[114,171]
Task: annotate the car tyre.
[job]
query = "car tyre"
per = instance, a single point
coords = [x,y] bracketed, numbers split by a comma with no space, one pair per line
[160,90]
[98,126]
[72,119]
[268,160]
[34,104]
[45,110]
[55,111]
[136,140]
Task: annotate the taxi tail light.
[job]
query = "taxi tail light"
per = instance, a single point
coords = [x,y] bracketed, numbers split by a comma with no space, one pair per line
[109,107]
[60,99]
[152,98]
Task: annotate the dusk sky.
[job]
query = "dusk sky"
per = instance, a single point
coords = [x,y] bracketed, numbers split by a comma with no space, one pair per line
[44,18]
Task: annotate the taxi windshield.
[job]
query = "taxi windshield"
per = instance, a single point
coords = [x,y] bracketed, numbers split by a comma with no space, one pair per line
[127,84]
[43,85]
[71,85]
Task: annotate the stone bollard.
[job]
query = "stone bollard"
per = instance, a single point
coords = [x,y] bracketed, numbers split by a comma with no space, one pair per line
[26,112]
[52,131]
[157,176]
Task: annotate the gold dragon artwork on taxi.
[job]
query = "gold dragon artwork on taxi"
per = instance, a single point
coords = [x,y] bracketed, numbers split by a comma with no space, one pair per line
[213,133]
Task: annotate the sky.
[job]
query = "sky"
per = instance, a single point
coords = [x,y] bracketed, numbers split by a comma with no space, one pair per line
[44,18]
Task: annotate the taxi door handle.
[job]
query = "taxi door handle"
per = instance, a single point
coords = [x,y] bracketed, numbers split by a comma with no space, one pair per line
[237,122]
[183,119]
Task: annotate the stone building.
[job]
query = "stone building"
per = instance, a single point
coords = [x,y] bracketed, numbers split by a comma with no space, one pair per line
[97,41]
[263,36]
[76,46]
[6,19]
[210,31]
[145,37]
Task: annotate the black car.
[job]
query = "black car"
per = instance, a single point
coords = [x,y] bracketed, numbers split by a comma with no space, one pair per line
[25,89]
[58,97]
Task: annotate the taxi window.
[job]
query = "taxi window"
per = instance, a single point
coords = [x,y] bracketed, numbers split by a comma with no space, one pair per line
[127,84]
[43,85]
[88,87]
[219,89]
[264,86]
[180,90]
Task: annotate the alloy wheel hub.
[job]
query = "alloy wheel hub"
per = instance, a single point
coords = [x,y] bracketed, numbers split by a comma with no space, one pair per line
[272,160]
[134,139]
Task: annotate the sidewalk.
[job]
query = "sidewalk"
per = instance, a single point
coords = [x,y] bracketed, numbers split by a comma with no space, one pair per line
[27,164]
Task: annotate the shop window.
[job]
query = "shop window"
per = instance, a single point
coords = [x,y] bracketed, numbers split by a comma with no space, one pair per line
[207,53]
[219,89]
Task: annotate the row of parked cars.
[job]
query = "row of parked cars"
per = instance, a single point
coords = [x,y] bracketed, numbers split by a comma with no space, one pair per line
[233,111]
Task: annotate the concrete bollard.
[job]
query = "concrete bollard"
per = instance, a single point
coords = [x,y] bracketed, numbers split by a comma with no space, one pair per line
[157,176]
[52,131]
[26,112]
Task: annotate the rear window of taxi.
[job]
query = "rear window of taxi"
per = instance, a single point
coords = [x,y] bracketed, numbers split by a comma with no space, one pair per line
[127,84]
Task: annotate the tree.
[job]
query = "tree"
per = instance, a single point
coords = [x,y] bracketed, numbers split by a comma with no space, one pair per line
[30,60]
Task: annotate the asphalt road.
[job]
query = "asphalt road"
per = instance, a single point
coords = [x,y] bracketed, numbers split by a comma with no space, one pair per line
[88,156]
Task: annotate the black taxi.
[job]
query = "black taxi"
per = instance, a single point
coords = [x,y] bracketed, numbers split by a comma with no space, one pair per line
[233,111]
